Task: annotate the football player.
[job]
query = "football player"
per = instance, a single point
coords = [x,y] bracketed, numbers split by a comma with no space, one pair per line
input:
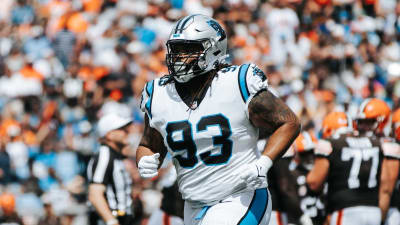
[311,203]
[377,110]
[353,165]
[207,114]
[393,215]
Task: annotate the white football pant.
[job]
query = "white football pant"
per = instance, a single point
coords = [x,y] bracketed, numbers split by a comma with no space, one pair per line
[248,208]
[393,217]
[358,215]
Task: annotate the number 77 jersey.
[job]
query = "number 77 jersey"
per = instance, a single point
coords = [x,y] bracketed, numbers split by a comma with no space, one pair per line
[354,169]
[210,143]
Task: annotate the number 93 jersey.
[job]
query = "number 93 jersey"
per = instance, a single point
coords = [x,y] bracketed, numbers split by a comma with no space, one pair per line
[208,144]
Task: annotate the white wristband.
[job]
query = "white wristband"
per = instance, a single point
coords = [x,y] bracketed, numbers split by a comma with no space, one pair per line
[112,222]
[265,161]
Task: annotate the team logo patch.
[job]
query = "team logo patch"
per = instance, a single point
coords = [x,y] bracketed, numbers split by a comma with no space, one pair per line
[217,28]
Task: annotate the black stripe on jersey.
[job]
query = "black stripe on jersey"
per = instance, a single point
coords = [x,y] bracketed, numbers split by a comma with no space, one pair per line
[113,176]
[114,189]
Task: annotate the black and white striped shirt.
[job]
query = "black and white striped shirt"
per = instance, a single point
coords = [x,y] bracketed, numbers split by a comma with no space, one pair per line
[108,168]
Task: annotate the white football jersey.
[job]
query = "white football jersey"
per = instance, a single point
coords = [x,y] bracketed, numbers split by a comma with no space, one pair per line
[210,143]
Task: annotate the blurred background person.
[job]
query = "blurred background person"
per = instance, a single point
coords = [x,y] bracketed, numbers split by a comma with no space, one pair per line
[8,214]
[110,185]
[311,203]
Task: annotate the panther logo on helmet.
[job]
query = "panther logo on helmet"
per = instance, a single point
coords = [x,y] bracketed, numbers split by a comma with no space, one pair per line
[217,28]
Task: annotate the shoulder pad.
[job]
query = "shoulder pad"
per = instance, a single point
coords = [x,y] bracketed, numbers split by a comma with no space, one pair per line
[251,80]
[390,148]
[323,148]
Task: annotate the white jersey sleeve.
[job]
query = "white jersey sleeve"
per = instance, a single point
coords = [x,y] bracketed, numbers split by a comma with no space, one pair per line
[251,81]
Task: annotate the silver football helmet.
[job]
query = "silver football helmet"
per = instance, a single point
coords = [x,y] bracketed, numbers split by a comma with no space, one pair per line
[196,45]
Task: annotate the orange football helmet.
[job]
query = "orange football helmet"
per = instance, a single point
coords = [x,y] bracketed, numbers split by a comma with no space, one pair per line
[336,123]
[396,124]
[305,142]
[373,108]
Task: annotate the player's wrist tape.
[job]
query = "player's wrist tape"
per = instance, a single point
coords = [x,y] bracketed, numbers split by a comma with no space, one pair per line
[112,222]
[265,161]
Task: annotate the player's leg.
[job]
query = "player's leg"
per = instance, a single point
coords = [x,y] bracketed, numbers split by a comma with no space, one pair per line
[250,208]
[393,217]
[278,218]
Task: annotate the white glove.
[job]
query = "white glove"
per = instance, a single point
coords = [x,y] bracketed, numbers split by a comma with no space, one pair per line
[148,165]
[305,220]
[255,174]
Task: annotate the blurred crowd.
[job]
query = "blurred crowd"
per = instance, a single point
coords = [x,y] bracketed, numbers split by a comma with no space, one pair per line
[65,63]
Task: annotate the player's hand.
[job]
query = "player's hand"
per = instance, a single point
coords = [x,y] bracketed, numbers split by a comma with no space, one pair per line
[148,165]
[255,174]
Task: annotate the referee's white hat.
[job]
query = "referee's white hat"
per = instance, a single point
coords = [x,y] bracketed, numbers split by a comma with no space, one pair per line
[110,122]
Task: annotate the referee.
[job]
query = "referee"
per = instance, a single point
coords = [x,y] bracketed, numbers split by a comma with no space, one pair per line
[110,183]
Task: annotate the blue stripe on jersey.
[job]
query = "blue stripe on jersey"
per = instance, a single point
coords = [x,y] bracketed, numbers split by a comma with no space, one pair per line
[244,91]
[257,208]
[149,90]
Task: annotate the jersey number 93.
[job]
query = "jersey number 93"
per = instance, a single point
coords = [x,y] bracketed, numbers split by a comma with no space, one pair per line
[187,143]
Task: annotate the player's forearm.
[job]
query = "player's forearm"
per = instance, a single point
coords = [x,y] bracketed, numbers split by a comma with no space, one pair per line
[316,177]
[266,111]
[280,141]
[313,183]
[389,173]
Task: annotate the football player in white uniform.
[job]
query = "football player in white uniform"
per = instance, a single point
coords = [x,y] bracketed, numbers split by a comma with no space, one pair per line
[207,114]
